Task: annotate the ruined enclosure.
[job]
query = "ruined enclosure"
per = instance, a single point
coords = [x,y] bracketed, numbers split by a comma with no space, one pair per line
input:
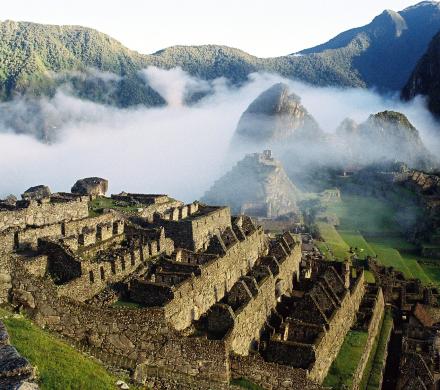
[183,289]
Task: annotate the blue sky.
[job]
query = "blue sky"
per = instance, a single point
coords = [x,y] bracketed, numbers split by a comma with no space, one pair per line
[264,28]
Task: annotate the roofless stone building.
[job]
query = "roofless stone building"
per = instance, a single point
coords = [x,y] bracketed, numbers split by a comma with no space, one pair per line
[202,296]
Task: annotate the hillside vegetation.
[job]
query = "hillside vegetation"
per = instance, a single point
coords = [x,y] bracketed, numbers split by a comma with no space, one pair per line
[36,58]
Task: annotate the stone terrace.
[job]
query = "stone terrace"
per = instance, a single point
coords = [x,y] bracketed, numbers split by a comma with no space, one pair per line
[306,331]
[188,289]
[240,316]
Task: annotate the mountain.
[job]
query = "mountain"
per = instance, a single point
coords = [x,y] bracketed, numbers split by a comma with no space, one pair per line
[36,59]
[425,80]
[385,136]
[383,53]
[276,115]
[257,186]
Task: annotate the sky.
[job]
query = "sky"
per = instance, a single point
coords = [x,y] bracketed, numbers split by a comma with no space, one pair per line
[263,28]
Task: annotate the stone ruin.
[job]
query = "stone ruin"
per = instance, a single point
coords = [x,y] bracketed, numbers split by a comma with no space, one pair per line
[415,342]
[257,186]
[173,291]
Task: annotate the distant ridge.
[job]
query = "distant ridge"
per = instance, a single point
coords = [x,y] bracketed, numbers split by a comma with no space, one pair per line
[425,80]
[35,59]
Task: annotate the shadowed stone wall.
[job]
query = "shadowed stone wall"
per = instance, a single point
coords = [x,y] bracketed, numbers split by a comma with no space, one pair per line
[196,295]
[373,331]
[249,319]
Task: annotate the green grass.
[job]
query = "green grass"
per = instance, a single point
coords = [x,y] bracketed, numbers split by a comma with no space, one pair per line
[323,247]
[127,304]
[365,214]
[343,367]
[369,224]
[245,384]
[356,240]
[96,206]
[369,276]
[374,374]
[393,251]
[433,272]
[59,365]
[338,246]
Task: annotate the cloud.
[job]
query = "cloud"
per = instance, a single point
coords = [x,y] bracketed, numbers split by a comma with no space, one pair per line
[177,149]
[174,85]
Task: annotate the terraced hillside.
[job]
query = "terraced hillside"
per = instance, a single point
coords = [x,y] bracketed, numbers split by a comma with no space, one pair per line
[367,226]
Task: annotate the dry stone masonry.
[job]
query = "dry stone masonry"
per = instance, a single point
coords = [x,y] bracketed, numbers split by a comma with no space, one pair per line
[171,290]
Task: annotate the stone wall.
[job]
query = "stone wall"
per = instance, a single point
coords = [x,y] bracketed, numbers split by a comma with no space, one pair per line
[75,228]
[140,335]
[6,247]
[8,239]
[249,320]
[340,323]
[204,227]
[197,294]
[62,265]
[373,331]
[44,212]
[95,276]
[28,238]
[195,231]
[270,376]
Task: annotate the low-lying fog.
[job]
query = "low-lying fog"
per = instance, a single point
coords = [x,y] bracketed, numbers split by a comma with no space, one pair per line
[177,149]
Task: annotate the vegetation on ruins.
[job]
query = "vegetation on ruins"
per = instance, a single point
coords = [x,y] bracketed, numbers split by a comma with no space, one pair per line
[59,366]
[374,370]
[342,369]
[245,384]
[99,204]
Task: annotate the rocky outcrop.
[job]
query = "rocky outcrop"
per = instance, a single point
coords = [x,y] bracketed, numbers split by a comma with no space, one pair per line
[9,201]
[425,78]
[36,193]
[276,115]
[90,186]
[257,186]
[385,136]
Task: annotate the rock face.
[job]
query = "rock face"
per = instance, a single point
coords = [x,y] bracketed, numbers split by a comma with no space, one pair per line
[37,192]
[276,115]
[385,136]
[94,186]
[425,78]
[257,186]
